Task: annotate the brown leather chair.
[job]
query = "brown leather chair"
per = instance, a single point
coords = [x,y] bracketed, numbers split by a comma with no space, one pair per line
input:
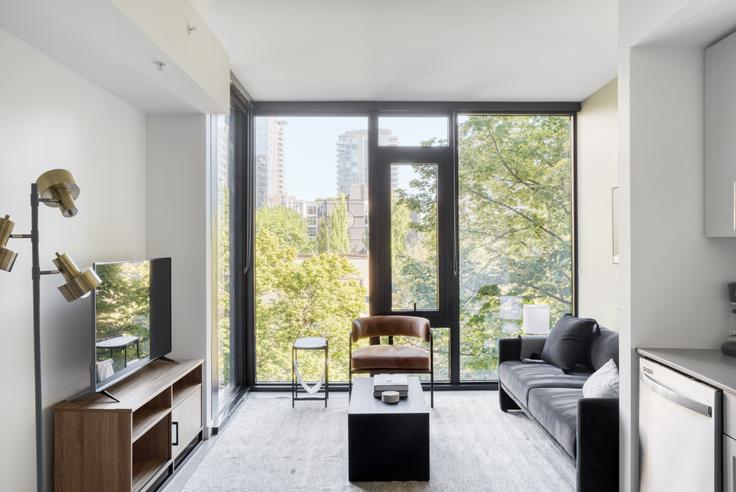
[376,358]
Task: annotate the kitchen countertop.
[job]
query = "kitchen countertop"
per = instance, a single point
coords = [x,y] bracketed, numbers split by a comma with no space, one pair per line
[708,365]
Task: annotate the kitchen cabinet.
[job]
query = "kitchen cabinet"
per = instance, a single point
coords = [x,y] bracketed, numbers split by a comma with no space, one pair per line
[720,138]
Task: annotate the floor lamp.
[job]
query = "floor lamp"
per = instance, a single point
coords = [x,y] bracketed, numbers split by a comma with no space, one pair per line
[55,188]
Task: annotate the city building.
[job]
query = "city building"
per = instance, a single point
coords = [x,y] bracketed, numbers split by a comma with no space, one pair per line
[357,204]
[352,158]
[270,140]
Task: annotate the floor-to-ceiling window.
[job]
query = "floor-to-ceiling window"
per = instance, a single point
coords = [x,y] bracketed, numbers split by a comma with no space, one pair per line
[228,157]
[468,219]
[223,181]
[515,211]
[311,241]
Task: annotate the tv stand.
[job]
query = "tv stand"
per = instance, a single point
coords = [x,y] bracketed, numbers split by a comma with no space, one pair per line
[166,359]
[133,436]
[109,395]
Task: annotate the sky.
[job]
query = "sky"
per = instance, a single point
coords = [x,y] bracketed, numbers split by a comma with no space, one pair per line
[311,148]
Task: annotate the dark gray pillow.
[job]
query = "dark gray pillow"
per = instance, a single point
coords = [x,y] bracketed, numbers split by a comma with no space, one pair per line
[568,342]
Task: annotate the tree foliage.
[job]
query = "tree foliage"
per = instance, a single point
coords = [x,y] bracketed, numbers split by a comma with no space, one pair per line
[299,296]
[332,231]
[515,243]
[515,224]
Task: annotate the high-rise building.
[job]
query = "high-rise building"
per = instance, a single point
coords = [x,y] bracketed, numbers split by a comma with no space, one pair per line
[269,162]
[357,217]
[352,158]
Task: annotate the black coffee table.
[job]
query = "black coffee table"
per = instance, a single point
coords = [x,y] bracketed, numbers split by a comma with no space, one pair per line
[387,442]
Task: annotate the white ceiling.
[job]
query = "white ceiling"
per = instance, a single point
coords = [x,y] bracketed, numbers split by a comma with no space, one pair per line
[459,50]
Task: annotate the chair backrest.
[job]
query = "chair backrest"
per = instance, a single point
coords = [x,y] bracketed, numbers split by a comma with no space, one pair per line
[390,326]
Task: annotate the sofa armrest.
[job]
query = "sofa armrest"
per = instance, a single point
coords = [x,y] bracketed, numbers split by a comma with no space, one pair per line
[597,445]
[519,348]
[509,349]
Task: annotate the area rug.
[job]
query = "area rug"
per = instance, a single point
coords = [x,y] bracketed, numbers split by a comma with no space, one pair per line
[267,446]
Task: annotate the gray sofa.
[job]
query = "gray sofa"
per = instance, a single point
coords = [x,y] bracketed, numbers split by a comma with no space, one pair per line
[586,428]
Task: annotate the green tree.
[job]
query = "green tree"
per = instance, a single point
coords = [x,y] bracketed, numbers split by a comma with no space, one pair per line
[287,225]
[224,286]
[296,297]
[515,225]
[332,231]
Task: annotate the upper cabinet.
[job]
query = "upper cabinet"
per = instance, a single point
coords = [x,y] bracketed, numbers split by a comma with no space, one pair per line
[720,138]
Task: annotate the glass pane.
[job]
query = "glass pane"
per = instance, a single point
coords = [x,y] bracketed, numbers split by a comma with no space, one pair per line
[515,231]
[224,159]
[414,270]
[441,337]
[311,255]
[413,131]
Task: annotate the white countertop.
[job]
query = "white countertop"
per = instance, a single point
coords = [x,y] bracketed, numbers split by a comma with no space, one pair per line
[708,365]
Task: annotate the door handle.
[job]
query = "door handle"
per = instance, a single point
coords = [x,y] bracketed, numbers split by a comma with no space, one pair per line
[674,396]
[176,430]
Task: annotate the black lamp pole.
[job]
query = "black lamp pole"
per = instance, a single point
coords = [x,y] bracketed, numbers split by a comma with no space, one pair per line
[58,189]
[36,273]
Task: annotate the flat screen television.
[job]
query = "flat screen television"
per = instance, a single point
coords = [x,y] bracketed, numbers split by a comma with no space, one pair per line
[131,312]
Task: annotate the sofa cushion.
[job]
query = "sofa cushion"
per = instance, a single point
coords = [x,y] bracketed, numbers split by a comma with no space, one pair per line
[603,383]
[603,348]
[519,378]
[390,357]
[556,409]
[569,342]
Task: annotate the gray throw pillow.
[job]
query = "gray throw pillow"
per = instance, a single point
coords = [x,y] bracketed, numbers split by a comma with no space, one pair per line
[568,342]
[603,383]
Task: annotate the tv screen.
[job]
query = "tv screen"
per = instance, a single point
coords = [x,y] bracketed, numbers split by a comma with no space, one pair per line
[132,317]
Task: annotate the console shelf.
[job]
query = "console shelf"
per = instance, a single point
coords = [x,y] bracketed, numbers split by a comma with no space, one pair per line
[144,419]
[143,471]
[130,445]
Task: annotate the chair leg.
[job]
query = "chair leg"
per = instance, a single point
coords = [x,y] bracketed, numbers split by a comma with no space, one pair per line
[431,389]
[431,367]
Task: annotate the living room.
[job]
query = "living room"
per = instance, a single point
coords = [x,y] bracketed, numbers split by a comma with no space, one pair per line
[371,246]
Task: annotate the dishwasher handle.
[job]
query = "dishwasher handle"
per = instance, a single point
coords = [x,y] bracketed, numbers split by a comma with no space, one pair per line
[674,396]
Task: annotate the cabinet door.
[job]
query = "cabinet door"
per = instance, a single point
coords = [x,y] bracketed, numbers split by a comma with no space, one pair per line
[729,464]
[720,139]
[186,421]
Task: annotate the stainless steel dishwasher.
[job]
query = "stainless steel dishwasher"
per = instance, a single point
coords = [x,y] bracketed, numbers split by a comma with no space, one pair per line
[680,431]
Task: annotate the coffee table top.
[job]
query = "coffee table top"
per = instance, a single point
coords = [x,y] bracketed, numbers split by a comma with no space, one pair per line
[363,402]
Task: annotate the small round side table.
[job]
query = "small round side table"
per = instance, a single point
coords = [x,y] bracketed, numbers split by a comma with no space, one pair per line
[298,385]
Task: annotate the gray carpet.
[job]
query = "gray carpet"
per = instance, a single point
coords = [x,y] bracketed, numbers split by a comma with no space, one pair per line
[474,446]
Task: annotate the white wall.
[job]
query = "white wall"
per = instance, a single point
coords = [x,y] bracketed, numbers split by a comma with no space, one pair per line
[177,225]
[597,173]
[51,117]
[672,285]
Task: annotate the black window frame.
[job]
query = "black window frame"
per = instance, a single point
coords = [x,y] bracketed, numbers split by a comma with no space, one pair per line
[379,211]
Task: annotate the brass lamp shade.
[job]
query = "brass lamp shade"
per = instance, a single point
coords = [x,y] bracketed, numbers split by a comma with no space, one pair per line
[7,256]
[59,185]
[78,284]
